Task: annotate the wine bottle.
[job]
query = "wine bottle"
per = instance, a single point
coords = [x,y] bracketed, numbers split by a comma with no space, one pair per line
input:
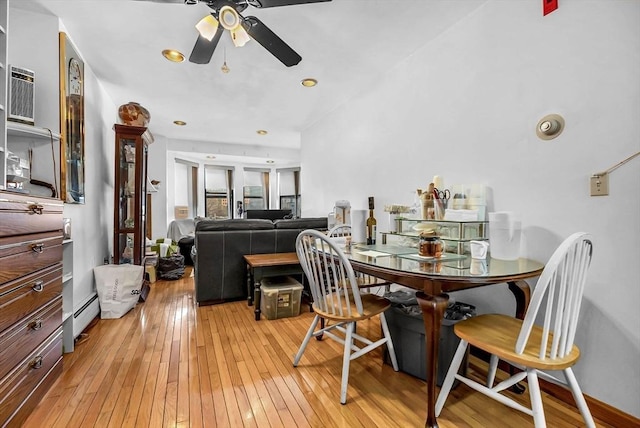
[371,224]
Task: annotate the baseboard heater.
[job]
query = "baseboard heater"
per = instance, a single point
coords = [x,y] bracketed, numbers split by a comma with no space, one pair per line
[85,306]
[83,316]
[80,320]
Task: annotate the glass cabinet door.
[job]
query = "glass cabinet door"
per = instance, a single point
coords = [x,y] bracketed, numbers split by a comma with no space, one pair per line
[130,194]
[125,247]
[127,184]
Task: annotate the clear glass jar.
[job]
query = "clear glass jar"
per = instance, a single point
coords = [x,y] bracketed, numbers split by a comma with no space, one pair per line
[430,245]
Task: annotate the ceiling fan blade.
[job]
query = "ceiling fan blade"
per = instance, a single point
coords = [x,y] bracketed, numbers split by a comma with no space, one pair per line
[203,49]
[270,41]
[276,3]
[163,1]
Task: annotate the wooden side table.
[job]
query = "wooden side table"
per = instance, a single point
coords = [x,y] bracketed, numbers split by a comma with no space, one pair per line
[266,265]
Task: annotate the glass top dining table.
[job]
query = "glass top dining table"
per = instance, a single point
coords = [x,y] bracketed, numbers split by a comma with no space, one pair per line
[433,278]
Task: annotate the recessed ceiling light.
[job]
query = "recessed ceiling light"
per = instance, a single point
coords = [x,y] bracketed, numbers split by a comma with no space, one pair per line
[271,161]
[173,55]
[261,132]
[180,122]
[309,82]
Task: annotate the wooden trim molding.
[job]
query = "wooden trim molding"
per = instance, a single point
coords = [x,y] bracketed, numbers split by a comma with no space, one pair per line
[599,409]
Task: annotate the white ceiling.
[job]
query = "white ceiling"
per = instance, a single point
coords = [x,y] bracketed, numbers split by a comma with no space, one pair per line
[345,44]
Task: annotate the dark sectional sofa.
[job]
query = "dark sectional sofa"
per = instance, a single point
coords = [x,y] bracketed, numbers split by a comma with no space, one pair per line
[219,247]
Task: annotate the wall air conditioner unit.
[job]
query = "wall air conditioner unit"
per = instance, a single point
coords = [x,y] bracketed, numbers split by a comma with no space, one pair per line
[22,95]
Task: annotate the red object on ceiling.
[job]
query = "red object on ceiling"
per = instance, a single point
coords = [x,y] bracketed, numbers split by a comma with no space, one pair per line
[549,6]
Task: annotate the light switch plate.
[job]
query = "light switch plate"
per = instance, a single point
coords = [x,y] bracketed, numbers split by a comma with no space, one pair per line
[599,185]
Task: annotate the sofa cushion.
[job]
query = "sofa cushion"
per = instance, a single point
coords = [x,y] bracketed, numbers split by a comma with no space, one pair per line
[302,223]
[233,224]
[267,214]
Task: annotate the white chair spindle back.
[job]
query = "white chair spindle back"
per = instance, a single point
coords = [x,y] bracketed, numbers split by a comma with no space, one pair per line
[331,278]
[562,284]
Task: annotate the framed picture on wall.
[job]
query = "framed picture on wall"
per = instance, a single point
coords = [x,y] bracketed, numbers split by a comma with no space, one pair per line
[71,123]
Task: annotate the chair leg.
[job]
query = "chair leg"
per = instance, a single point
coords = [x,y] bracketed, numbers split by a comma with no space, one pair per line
[346,359]
[303,346]
[577,395]
[493,367]
[536,399]
[390,348]
[322,323]
[451,375]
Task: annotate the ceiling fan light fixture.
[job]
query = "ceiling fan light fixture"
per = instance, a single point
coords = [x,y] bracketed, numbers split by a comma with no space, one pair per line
[173,55]
[207,27]
[229,18]
[240,37]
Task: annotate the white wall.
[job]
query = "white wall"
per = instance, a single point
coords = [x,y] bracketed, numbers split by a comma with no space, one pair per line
[91,223]
[163,153]
[238,180]
[465,107]
[180,184]
[157,170]
[40,54]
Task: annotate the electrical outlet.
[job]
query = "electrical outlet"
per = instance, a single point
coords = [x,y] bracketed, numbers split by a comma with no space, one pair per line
[599,184]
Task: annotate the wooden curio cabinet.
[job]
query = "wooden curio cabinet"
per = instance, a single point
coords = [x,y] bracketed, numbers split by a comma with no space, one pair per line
[130,193]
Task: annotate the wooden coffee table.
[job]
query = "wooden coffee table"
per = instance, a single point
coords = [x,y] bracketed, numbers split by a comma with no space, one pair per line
[266,265]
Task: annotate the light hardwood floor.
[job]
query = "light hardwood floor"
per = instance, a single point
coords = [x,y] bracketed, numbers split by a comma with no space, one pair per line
[169,363]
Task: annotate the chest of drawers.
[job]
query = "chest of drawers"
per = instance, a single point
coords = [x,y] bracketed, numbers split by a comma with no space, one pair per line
[30,302]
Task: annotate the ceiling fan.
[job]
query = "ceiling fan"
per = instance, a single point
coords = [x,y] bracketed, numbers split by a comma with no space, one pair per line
[226,15]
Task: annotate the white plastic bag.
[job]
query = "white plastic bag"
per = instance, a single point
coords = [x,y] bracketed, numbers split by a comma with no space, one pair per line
[118,288]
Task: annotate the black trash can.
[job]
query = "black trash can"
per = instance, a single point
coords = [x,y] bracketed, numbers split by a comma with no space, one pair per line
[171,267]
[406,327]
[185,244]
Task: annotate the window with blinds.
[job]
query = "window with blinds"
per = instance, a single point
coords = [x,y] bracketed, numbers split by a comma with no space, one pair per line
[255,192]
[218,183]
[289,190]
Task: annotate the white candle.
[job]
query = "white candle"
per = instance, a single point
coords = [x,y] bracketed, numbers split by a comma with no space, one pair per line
[438,182]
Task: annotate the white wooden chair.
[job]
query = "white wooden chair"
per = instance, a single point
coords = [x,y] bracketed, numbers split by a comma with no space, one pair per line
[337,299]
[531,347]
[340,234]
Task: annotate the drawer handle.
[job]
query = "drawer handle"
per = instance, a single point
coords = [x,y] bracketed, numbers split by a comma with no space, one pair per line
[36,325]
[37,248]
[37,363]
[38,286]
[37,209]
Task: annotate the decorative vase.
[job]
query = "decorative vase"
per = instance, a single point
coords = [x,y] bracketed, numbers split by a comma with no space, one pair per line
[134,114]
